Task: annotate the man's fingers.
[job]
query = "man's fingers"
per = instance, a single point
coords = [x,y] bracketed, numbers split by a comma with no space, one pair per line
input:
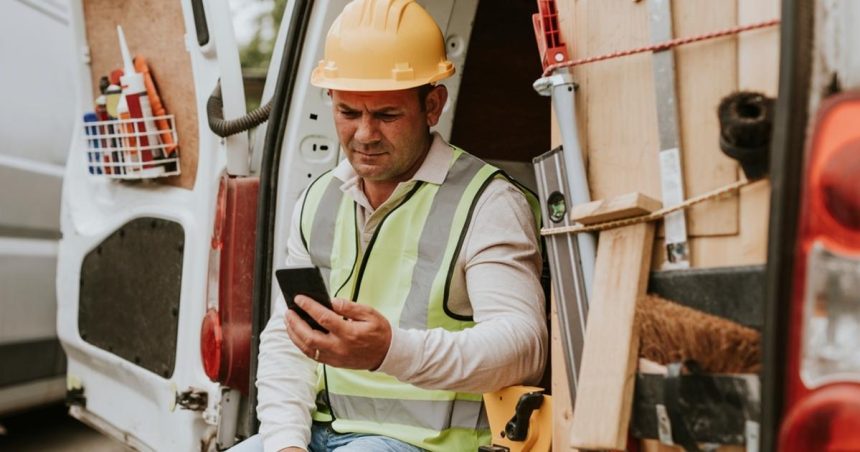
[351,309]
[297,330]
[325,317]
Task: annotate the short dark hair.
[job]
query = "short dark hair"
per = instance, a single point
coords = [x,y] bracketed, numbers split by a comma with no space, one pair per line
[423,91]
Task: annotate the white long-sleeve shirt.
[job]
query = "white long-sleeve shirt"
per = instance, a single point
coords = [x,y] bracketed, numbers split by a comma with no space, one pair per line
[500,289]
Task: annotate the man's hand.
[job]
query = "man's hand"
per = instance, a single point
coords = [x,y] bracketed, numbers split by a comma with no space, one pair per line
[292,449]
[358,338]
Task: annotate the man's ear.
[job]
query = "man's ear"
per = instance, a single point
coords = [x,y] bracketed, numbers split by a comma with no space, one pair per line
[435,102]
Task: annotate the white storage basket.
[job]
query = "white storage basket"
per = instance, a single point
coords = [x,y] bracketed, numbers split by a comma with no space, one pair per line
[132,148]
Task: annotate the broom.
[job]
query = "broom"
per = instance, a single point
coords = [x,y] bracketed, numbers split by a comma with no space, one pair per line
[671,333]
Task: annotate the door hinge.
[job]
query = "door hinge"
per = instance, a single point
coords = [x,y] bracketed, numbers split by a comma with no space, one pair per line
[75,397]
[193,399]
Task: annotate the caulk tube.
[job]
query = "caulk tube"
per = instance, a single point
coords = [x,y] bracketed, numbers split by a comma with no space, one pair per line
[137,101]
[128,142]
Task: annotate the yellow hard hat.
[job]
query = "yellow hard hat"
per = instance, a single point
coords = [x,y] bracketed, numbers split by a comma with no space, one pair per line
[382,45]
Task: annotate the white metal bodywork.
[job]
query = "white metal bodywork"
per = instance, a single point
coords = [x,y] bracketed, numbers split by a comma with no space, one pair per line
[36,89]
[124,400]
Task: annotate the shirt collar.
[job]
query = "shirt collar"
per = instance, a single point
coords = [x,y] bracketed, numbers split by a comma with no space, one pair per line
[433,169]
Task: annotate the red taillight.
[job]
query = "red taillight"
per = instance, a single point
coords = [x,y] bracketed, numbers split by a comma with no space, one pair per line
[840,185]
[822,404]
[826,421]
[211,340]
[226,331]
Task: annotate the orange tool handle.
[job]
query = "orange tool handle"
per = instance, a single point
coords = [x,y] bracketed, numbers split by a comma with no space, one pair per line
[161,124]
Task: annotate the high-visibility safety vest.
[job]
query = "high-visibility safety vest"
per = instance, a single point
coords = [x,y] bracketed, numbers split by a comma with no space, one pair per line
[404,273]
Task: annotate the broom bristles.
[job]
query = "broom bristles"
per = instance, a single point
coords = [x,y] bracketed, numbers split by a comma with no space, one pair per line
[670,333]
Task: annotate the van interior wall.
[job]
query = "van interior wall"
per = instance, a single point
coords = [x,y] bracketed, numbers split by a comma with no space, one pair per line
[154,29]
[499,117]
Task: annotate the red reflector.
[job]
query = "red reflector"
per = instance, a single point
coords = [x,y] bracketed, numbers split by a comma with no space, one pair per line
[211,339]
[828,420]
[840,185]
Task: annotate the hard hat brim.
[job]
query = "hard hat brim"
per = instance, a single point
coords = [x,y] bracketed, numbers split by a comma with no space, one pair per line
[318,79]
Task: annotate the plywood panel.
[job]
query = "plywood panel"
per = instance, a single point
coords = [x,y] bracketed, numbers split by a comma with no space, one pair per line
[758,70]
[156,30]
[758,51]
[617,109]
[620,108]
[706,72]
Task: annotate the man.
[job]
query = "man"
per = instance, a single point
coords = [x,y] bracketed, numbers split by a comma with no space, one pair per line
[431,257]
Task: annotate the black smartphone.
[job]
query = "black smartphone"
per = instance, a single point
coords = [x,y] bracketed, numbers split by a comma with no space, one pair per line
[303,281]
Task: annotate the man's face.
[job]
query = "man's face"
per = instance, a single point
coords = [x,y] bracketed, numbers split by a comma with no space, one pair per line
[385,133]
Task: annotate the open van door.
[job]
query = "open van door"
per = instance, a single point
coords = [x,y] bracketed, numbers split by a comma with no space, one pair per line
[138,209]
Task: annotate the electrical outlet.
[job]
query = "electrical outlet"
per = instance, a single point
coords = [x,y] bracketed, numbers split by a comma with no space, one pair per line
[318,149]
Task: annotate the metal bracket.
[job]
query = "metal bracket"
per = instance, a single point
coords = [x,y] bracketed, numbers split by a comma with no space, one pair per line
[664,425]
[671,172]
[193,399]
[752,435]
[76,397]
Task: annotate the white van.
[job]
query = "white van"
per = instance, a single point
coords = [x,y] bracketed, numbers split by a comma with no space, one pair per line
[37,91]
[164,278]
[158,293]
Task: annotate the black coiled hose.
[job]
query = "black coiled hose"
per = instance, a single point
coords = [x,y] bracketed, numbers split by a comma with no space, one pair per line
[227,127]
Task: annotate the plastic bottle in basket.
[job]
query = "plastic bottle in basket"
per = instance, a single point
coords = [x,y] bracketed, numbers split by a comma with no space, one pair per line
[144,131]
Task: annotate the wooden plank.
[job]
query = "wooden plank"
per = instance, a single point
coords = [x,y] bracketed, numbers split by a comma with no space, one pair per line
[758,51]
[624,206]
[706,72]
[156,30]
[605,393]
[622,118]
[562,415]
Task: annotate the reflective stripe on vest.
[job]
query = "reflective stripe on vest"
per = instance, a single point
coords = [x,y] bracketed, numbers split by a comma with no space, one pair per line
[320,248]
[427,414]
[404,274]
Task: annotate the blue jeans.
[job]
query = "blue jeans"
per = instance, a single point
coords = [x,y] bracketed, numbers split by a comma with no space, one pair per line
[324,439]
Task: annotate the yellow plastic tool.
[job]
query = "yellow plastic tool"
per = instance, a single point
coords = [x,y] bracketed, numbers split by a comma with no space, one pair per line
[501,407]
